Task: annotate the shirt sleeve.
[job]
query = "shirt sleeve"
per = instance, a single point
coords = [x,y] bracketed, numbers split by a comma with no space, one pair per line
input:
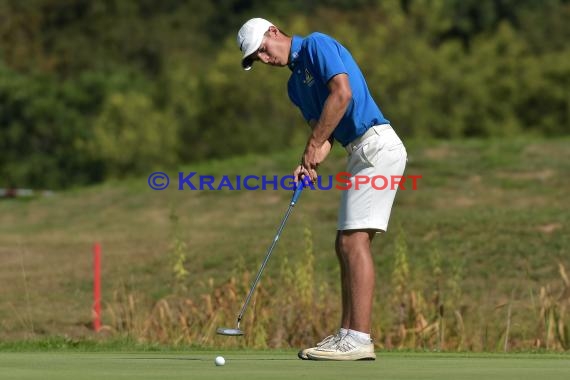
[324,55]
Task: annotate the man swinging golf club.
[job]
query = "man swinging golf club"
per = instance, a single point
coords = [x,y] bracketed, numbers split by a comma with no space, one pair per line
[328,87]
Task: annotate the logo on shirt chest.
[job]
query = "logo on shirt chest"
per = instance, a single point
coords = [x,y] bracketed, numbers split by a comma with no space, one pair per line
[309,80]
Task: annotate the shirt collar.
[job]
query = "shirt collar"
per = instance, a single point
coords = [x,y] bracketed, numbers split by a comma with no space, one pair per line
[296,42]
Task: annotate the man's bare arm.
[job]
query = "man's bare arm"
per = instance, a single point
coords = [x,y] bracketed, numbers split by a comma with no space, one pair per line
[334,109]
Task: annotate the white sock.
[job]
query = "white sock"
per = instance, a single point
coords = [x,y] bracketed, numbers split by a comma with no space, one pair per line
[360,337]
[342,331]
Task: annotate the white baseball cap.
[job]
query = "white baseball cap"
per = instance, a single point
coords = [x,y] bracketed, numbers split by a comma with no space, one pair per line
[249,39]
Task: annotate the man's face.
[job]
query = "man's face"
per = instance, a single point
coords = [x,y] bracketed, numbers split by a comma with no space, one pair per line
[271,51]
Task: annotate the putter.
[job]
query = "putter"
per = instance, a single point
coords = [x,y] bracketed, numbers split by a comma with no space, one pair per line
[237,331]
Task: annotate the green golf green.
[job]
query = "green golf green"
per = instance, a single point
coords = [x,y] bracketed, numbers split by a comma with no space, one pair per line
[277,365]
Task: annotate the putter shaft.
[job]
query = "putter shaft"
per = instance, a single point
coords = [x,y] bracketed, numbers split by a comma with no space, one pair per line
[270,250]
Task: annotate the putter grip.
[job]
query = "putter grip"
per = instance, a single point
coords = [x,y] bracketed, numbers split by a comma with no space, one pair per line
[297,193]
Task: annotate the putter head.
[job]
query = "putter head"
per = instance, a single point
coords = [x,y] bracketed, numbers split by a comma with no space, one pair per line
[229,332]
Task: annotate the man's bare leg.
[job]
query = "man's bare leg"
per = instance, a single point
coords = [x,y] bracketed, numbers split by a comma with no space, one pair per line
[357,271]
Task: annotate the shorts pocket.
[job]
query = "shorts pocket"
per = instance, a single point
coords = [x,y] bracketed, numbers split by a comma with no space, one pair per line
[393,154]
[369,152]
[395,146]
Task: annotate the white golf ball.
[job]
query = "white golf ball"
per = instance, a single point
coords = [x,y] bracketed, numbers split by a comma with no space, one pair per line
[220,360]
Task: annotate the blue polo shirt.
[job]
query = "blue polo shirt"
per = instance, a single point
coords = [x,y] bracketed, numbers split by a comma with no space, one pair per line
[313,61]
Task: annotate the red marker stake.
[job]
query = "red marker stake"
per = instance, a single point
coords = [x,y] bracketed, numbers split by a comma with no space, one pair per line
[96,287]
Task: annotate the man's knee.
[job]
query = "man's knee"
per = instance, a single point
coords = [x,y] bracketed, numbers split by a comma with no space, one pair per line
[349,241]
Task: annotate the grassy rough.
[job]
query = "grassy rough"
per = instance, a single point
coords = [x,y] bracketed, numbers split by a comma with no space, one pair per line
[487,227]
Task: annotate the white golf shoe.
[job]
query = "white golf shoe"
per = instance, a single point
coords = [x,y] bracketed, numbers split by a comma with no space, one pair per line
[346,348]
[328,341]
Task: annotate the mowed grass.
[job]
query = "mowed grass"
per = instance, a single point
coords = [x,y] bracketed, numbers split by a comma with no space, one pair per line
[495,209]
[252,365]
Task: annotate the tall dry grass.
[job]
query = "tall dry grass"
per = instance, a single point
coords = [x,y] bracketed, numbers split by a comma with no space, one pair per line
[296,308]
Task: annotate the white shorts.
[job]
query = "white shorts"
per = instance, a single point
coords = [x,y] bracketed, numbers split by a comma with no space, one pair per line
[381,154]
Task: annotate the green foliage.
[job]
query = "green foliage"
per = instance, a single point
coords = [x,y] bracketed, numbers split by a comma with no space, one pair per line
[235,117]
[97,89]
[131,136]
[38,130]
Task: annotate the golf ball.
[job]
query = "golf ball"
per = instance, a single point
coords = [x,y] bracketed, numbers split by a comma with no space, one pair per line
[220,360]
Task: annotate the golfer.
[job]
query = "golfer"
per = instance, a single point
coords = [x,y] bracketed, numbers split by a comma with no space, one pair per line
[328,87]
